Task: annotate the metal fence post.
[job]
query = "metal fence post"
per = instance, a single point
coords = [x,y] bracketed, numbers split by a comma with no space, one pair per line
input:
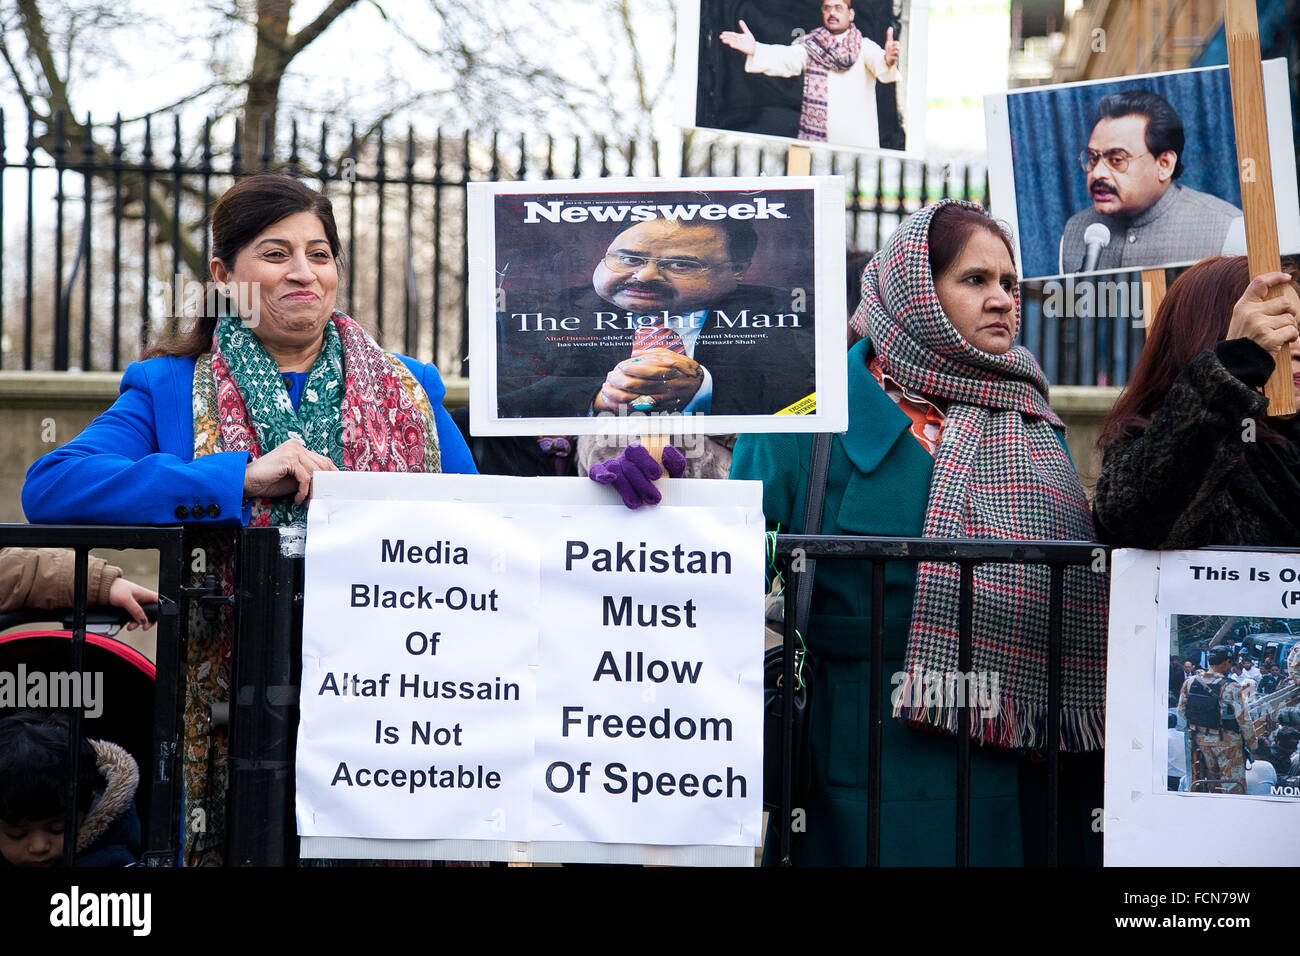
[266,667]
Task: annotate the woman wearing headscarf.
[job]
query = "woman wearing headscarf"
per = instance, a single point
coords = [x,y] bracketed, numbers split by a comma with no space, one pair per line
[950,436]
[1189,457]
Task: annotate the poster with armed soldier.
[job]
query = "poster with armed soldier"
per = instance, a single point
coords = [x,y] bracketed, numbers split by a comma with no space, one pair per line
[1202,707]
[651,306]
[1235,716]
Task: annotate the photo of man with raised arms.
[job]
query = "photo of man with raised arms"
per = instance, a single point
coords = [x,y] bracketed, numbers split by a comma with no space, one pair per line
[848,74]
[666,323]
[840,69]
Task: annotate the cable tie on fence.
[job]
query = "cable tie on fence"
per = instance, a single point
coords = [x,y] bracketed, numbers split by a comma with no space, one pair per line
[771,546]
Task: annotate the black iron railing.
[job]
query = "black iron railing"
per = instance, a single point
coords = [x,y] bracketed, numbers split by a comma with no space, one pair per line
[114,232]
[162,828]
[266,668]
[966,554]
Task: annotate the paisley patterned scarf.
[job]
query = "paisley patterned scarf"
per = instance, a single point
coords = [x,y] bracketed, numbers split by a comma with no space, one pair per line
[363,409]
[1000,471]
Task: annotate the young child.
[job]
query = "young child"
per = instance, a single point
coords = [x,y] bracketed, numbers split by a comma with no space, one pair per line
[33,782]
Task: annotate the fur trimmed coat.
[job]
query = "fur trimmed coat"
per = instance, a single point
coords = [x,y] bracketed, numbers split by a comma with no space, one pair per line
[110,834]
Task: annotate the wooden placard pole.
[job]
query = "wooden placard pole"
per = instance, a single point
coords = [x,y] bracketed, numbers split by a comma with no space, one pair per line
[1255,173]
[798,161]
[1153,293]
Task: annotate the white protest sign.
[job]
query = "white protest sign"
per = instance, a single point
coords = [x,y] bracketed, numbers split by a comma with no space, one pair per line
[646,726]
[419,642]
[531,678]
[1167,604]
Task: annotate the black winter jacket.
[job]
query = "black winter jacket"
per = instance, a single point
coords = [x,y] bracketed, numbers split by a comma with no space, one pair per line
[1209,469]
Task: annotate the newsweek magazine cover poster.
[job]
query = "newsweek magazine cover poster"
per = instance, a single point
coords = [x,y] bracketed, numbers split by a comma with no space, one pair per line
[700,306]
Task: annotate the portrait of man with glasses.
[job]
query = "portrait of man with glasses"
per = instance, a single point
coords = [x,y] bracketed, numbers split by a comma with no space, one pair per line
[666,324]
[1140,216]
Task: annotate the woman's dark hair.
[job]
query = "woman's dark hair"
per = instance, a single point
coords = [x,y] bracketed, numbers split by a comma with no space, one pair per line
[951,228]
[33,761]
[245,210]
[1193,317]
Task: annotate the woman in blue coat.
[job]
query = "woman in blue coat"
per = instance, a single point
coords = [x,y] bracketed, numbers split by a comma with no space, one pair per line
[225,425]
[950,436]
[213,428]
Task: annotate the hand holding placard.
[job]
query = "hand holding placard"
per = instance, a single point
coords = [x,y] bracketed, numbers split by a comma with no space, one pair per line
[634,472]
[1268,322]
[285,470]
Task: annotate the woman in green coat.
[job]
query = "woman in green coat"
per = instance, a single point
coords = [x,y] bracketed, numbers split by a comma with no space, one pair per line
[950,436]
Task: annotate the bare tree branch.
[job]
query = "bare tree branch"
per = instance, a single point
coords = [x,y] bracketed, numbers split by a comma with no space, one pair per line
[201,92]
[38,46]
[314,29]
[23,92]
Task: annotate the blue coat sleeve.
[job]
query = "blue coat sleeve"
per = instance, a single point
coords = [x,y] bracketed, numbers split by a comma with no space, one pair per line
[135,463]
[456,457]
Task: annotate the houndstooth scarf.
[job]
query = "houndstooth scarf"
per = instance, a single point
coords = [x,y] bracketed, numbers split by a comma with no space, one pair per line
[999,472]
[826,51]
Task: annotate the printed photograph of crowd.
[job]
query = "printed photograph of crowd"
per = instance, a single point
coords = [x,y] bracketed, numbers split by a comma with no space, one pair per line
[1234,705]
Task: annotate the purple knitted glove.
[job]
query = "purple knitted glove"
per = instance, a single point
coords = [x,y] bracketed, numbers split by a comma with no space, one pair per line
[674,461]
[634,471]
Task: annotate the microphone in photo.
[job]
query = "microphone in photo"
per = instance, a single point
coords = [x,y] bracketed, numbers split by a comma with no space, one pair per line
[1095,238]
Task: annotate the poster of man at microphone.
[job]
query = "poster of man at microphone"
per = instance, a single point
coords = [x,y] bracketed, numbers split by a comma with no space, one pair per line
[1134,173]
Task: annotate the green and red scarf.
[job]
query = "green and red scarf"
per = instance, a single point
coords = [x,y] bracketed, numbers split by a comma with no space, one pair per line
[363,409]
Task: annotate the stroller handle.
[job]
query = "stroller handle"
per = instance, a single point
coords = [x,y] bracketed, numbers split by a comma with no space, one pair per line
[94,616]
